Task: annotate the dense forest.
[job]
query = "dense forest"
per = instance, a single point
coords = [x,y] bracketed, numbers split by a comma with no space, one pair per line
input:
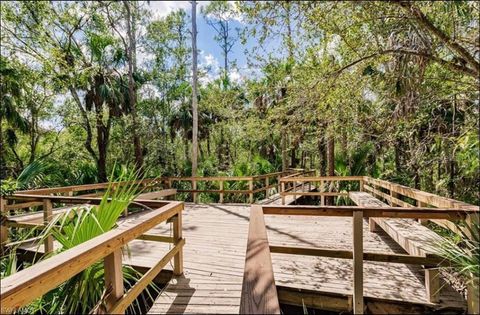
[387,89]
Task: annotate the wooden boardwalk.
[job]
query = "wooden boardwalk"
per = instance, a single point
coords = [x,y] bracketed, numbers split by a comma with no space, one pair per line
[214,259]
[214,256]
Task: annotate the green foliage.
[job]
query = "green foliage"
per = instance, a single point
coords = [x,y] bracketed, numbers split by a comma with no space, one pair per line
[396,100]
[464,252]
[81,293]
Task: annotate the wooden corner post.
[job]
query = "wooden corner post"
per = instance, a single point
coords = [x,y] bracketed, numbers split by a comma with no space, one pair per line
[432,284]
[250,188]
[267,192]
[358,262]
[47,217]
[194,188]
[177,236]
[473,297]
[221,191]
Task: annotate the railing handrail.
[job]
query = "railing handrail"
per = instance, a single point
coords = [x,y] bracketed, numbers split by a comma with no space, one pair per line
[147,180]
[23,287]
[320,178]
[420,195]
[84,187]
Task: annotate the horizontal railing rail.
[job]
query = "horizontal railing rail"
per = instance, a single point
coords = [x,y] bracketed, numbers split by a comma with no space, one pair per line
[26,285]
[318,186]
[255,184]
[259,293]
[400,195]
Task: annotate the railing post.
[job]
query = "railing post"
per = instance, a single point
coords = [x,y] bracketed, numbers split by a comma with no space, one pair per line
[360,184]
[267,193]
[294,190]
[432,284]
[421,205]
[278,183]
[221,191]
[357,262]
[47,217]
[473,297]
[282,191]
[322,189]
[3,224]
[250,187]
[393,194]
[113,278]
[194,187]
[177,236]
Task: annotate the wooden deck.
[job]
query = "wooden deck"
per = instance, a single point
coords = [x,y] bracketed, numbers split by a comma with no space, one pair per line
[214,259]
[215,253]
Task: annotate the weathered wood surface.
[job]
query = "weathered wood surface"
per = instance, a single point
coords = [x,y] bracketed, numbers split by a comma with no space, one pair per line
[259,293]
[158,194]
[381,280]
[214,257]
[414,238]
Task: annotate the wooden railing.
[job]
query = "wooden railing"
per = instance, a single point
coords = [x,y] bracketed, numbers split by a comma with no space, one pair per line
[25,286]
[403,196]
[324,186]
[259,294]
[43,199]
[256,184]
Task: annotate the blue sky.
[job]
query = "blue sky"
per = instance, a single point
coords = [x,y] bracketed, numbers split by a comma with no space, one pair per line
[210,52]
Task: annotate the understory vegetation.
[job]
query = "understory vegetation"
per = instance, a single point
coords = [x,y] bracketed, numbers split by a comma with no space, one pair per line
[387,89]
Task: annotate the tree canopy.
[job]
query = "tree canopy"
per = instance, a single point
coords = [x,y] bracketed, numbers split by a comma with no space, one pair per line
[388,89]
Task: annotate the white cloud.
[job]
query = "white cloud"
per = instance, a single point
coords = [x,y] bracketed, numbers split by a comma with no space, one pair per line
[210,66]
[210,61]
[161,9]
[233,14]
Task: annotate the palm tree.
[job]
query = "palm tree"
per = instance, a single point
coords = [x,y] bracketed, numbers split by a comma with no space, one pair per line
[11,92]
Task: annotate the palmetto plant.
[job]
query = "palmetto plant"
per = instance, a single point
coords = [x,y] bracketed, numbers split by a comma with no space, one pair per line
[464,255]
[82,293]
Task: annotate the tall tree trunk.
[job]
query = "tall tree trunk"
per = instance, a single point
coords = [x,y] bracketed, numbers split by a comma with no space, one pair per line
[284,150]
[322,152]
[331,156]
[3,164]
[225,55]
[132,93]
[103,134]
[293,156]
[194,90]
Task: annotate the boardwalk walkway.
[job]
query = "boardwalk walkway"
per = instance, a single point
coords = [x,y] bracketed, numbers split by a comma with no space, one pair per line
[214,258]
[215,253]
